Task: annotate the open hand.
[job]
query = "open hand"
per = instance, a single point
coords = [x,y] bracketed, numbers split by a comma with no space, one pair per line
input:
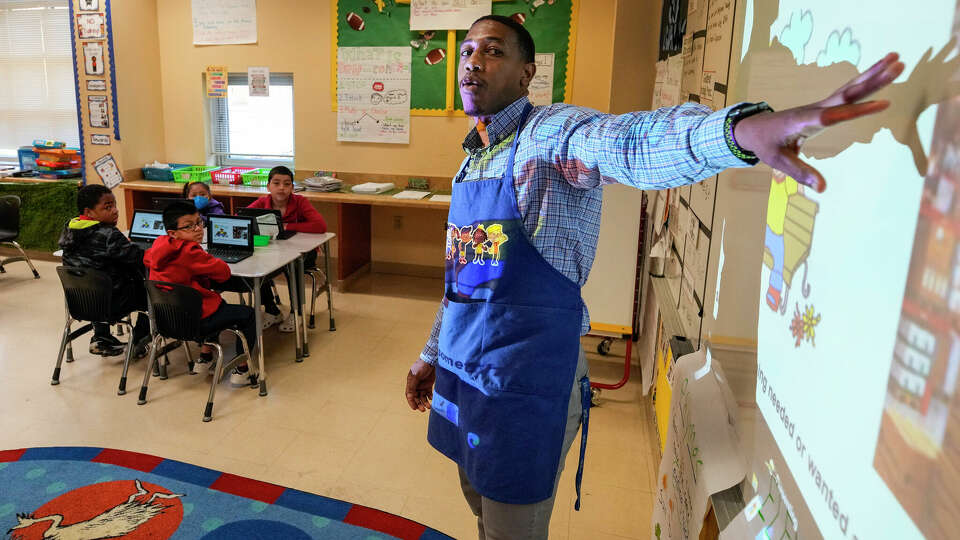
[419,390]
[776,137]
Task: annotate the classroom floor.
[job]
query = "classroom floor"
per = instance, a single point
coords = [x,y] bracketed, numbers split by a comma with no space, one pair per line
[336,425]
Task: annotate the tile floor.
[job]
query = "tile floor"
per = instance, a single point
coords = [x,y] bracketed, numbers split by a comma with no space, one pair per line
[336,425]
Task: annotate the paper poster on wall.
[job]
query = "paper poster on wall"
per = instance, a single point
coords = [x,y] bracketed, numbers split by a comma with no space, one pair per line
[91,25]
[702,455]
[541,87]
[702,196]
[224,22]
[107,168]
[99,139]
[692,67]
[670,91]
[661,77]
[716,55]
[258,81]
[97,85]
[373,94]
[216,81]
[98,113]
[88,5]
[93,58]
[446,14]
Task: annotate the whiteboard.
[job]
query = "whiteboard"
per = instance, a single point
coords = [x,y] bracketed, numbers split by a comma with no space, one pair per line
[608,292]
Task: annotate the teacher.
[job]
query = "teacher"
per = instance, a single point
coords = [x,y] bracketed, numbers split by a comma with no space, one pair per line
[503,371]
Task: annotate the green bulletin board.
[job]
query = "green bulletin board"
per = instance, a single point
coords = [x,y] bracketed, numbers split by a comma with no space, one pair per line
[386,23]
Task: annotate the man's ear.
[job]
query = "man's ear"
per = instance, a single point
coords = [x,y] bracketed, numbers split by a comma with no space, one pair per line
[529,70]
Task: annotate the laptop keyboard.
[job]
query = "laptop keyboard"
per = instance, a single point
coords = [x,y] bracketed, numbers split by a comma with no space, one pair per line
[229,255]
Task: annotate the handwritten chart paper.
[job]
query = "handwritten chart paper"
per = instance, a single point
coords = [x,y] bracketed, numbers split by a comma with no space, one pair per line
[541,87]
[373,94]
[446,14]
[224,22]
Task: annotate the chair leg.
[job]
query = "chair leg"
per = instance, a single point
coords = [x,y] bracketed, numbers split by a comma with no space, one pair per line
[64,343]
[23,257]
[165,363]
[120,330]
[276,294]
[128,355]
[154,348]
[190,363]
[208,410]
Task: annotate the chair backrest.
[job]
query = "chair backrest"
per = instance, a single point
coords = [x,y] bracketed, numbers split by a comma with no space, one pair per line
[88,293]
[174,309]
[10,213]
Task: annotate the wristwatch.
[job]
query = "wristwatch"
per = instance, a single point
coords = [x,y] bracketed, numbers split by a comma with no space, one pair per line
[735,115]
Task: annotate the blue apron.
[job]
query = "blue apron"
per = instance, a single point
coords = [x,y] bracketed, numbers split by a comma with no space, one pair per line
[508,348]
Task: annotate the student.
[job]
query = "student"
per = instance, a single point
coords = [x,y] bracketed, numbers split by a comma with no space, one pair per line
[178,258]
[92,240]
[202,199]
[298,215]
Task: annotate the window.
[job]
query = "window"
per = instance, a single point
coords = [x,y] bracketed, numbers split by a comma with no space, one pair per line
[37,94]
[255,131]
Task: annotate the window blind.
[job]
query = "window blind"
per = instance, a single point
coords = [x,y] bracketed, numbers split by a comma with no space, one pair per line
[247,130]
[37,93]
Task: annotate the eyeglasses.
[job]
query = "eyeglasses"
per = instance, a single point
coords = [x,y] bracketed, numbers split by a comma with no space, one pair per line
[197,225]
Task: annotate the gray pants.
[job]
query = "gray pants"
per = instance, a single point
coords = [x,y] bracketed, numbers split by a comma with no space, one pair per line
[502,521]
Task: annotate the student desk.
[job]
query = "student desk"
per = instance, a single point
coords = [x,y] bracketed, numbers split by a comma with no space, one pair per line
[300,244]
[353,211]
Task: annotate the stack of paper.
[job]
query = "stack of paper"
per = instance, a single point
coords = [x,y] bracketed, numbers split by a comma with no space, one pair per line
[322,183]
[440,198]
[372,187]
[412,195]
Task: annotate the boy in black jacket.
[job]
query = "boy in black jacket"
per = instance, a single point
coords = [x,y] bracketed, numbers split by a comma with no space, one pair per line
[92,240]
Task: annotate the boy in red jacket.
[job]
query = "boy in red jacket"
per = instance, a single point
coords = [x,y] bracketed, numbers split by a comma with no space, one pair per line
[178,258]
[298,215]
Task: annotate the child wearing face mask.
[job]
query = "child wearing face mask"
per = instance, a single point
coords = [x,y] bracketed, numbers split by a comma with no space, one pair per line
[199,192]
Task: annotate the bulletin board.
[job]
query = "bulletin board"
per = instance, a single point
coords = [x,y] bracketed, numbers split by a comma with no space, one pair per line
[433,86]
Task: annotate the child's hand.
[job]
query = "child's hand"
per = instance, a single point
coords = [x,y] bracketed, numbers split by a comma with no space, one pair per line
[419,390]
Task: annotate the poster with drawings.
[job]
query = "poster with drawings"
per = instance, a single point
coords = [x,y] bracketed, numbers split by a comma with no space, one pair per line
[373,94]
[447,14]
[541,87]
[93,58]
[702,454]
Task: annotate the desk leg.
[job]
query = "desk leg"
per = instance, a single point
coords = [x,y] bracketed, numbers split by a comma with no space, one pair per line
[291,288]
[301,301]
[258,317]
[326,265]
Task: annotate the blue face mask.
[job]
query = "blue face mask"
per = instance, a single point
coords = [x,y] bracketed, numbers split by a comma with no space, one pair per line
[201,202]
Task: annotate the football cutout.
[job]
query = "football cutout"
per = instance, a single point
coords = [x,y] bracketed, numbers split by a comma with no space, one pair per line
[435,57]
[519,17]
[355,21]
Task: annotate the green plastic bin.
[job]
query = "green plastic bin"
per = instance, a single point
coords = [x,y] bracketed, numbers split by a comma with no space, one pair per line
[194,173]
[256,177]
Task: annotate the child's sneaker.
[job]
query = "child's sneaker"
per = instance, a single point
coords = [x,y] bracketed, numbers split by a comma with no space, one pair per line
[241,376]
[104,347]
[270,319]
[287,325]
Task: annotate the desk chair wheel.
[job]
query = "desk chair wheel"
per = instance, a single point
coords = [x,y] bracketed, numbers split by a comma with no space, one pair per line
[594,397]
[603,348]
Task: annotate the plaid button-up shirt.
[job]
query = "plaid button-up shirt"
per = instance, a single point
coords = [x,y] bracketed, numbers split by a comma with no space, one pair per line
[565,156]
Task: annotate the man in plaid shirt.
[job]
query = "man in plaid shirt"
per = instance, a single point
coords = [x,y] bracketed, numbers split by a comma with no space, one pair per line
[559,156]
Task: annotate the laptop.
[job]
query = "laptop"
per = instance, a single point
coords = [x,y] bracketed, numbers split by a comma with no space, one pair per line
[230,238]
[160,203]
[146,227]
[268,222]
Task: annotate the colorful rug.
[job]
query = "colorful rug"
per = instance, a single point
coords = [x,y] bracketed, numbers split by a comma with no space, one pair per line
[80,492]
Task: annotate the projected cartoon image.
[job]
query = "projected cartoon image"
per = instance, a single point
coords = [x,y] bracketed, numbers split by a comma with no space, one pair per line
[917,449]
[790,219]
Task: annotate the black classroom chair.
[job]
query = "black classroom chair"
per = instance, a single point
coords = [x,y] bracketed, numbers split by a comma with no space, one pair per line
[88,294]
[175,314]
[10,231]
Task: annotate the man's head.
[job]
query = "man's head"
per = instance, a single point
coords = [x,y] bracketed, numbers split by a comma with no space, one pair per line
[98,203]
[183,221]
[496,65]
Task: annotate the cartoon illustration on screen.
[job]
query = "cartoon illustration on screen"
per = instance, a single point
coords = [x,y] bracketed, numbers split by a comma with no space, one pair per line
[790,220]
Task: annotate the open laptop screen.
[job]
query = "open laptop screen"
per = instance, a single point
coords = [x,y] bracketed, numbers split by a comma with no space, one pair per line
[230,231]
[147,224]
